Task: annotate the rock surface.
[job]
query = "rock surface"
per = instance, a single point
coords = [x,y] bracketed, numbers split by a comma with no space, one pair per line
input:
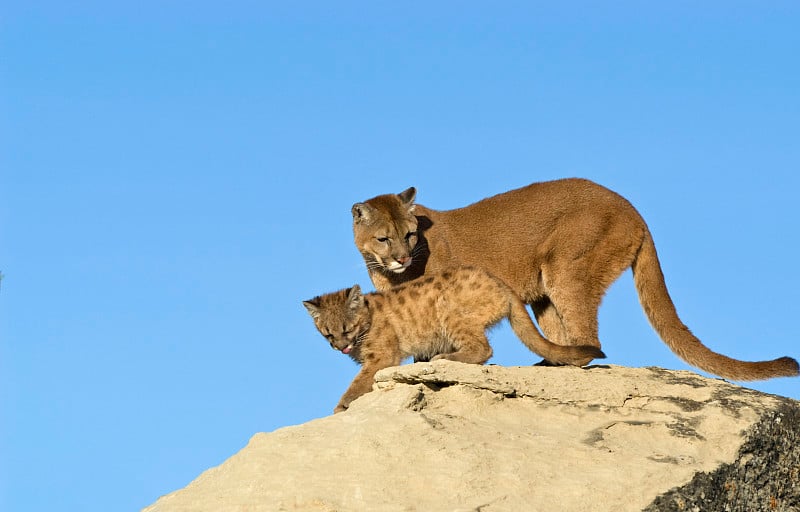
[446,436]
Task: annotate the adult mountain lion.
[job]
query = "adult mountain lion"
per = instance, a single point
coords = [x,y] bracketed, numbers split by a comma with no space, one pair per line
[559,245]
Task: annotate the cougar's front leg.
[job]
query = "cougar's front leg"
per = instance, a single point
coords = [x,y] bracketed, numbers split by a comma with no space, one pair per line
[362,383]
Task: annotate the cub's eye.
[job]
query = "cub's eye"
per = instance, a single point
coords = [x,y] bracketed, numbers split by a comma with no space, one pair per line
[382,239]
[411,234]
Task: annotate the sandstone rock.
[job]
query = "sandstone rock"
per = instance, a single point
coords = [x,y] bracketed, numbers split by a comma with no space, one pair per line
[446,436]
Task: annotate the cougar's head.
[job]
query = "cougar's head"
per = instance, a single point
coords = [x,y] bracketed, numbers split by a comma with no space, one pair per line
[385,230]
[342,317]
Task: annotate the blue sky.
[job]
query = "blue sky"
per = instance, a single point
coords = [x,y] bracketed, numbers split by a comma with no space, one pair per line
[176,177]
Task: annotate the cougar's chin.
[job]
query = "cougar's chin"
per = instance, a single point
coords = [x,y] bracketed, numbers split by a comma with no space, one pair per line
[397,267]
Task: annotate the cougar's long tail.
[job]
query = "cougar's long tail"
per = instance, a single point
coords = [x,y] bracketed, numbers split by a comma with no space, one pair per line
[661,313]
[524,328]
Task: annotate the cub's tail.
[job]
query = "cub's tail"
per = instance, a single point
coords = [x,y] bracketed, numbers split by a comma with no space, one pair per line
[661,313]
[524,328]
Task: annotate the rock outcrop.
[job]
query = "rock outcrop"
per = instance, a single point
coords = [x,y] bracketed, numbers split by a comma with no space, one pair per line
[446,436]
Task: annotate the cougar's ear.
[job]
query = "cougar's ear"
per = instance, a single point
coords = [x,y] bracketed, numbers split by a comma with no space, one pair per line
[362,212]
[407,196]
[312,306]
[354,297]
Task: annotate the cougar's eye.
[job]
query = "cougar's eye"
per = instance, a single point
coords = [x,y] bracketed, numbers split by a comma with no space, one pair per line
[382,239]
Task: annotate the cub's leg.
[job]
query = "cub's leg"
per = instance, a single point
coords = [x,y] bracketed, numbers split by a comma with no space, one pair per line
[362,383]
[471,345]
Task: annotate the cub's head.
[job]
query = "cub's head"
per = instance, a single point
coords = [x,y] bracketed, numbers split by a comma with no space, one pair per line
[385,230]
[342,317]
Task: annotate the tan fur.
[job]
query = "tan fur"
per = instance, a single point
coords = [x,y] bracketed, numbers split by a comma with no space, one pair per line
[438,317]
[559,245]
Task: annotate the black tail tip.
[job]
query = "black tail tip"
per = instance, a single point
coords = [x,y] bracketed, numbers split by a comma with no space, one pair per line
[599,354]
[792,368]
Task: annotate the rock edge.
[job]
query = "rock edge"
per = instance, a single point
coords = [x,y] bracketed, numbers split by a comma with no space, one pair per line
[450,436]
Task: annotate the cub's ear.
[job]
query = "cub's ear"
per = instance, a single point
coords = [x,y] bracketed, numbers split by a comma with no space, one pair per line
[354,297]
[312,306]
[407,196]
[362,212]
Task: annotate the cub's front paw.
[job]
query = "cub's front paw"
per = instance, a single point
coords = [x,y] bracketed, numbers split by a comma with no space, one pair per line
[339,408]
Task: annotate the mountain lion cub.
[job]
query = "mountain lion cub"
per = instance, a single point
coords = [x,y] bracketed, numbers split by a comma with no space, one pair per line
[436,317]
[559,245]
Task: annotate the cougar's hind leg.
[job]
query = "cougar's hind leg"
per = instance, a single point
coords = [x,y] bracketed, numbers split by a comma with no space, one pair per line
[549,321]
[576,280]
[470,343]
[576,304]
[550,324]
